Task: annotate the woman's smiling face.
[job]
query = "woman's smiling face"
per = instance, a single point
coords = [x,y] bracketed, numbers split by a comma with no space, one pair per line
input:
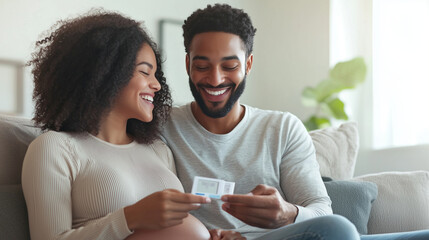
[136,99]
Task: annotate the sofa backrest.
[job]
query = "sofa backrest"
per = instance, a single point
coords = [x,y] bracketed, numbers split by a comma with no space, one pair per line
[16,133]
[336,148]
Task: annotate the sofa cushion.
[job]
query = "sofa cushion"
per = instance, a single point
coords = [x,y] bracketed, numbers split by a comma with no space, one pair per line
[353,200]
[13,213]
[336,150]
[402,203]
[16,134]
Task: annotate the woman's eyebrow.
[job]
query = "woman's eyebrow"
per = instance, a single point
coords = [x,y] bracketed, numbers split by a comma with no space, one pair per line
[146,63]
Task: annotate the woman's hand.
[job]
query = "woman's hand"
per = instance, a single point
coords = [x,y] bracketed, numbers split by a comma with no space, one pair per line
[219,234]
[162,209]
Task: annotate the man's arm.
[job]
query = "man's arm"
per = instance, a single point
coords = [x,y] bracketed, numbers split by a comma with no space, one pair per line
[300,180]
[304,193]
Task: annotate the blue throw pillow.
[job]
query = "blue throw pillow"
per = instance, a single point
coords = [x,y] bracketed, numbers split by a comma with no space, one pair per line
[353,200]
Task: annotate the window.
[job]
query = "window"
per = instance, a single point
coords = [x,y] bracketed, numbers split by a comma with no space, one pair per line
[400,73]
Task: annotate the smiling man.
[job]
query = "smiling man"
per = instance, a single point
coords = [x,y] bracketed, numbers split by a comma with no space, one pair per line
[217,72]
[217,76]
[266,153]
[279,193]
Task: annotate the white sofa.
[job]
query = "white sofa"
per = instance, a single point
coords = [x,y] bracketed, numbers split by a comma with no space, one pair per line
[398,201]
[402,201]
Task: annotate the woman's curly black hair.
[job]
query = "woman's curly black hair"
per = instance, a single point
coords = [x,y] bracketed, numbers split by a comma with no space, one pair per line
[80,68]
[219,18]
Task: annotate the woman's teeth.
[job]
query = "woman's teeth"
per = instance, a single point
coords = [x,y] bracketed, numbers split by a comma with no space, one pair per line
[215,93]
[147,98]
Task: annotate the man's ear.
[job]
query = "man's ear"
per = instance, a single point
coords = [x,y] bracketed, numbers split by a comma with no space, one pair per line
[187,63]
[249,62]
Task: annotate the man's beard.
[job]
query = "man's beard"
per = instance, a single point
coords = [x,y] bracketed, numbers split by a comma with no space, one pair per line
[235,95]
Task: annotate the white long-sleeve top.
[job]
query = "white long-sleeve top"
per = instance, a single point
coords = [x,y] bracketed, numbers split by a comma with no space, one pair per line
[76,185]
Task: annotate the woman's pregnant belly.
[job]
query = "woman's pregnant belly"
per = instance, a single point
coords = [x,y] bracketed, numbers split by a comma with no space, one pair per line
[190,229]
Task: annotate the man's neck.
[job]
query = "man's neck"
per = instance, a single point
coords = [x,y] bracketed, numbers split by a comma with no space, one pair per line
[221,125]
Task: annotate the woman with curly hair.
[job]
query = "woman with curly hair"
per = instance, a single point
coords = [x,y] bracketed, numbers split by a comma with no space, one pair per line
[99,170]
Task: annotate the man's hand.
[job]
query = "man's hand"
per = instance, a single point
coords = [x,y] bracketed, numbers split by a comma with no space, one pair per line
[263,207]
[162,209]
[219,234]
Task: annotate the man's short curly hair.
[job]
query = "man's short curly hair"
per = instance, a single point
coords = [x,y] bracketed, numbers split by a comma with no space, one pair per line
[219,18]
[80,68]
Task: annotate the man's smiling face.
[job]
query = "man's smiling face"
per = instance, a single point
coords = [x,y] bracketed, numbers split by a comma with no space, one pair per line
[217,68]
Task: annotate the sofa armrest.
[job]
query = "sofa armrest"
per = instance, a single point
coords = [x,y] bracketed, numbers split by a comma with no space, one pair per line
[402,203]
[16,134]
[13,213]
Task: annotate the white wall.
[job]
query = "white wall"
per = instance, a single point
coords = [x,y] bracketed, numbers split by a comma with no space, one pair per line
[294,48]
[23,21]
[291,47]
[291,52]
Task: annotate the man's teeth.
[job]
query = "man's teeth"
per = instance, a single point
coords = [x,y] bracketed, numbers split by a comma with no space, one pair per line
[147,98]
[215,93]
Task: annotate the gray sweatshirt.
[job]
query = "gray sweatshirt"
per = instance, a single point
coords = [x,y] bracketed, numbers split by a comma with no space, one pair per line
[266,147]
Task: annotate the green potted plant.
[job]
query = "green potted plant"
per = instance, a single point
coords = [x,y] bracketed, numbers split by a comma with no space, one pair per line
[324,97]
